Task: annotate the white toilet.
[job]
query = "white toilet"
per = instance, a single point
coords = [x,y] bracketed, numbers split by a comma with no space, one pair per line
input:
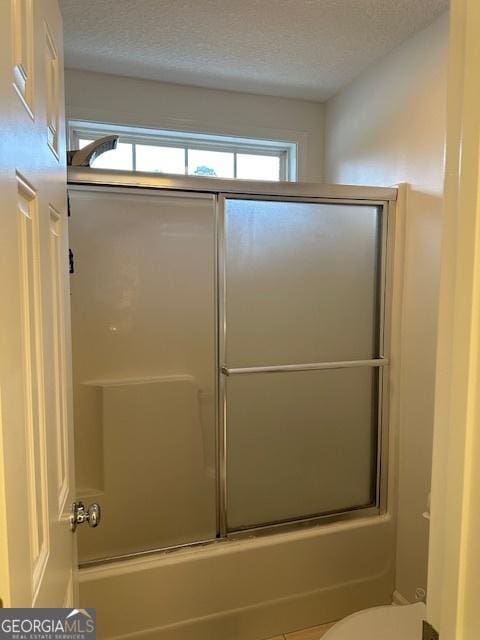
[380,623]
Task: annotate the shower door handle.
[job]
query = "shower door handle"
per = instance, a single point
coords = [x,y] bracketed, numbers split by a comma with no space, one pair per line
[81,515]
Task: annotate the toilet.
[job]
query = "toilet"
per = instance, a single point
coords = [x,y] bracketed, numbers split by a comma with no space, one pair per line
[392,622]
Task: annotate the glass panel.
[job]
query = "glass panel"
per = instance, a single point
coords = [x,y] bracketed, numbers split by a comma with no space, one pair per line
[160,159]
[143,355]
[119,158]
[299,444]
[210,163]
[82,142]
[301,282]
[254,167]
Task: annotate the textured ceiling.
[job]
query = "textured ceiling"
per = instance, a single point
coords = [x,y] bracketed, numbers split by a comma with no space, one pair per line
[296,48]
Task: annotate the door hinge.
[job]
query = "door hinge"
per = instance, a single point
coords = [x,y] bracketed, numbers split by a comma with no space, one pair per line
[69,210]
[71,262]
[428,632]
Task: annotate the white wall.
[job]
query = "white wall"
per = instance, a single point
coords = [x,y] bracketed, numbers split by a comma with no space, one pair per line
[386,127]
[107,98]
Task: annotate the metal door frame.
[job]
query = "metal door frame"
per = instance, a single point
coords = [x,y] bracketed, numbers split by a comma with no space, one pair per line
[380,362]
[81,177]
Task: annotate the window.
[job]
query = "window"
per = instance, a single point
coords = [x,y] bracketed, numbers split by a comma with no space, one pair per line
[182,153]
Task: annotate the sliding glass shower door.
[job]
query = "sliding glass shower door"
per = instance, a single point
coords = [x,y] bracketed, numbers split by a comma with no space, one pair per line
[228,361]
[143,325]
[301,356]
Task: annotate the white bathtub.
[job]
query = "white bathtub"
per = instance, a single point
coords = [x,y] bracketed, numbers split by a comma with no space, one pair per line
[245,589]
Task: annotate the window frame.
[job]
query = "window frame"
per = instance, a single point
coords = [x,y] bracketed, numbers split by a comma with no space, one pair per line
[285,151]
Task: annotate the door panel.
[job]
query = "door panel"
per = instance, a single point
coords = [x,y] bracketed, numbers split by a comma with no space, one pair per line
[143,323]
[301,282]
[23,51]
[34,389]
[35,412]
[296,448]
[60,361]
[301,353]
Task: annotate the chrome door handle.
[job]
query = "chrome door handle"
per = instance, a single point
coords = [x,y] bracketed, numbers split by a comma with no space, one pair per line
[81,514]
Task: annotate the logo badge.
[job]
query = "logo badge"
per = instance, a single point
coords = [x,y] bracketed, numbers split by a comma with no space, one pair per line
[47,624]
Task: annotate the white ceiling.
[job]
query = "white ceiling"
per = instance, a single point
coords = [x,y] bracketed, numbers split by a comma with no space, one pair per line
[293,48]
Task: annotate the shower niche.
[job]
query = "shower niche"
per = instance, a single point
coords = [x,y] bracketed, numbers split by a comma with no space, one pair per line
[230,357]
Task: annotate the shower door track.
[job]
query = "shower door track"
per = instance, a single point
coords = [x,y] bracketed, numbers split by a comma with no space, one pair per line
[237,536]
[86,178]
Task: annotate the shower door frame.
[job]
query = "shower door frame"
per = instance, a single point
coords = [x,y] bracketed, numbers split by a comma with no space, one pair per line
[382,197]
[380,362]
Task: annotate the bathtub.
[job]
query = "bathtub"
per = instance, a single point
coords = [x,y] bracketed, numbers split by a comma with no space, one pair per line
[248,589]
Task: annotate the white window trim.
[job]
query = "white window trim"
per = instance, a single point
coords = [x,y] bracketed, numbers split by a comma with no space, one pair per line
[285,150]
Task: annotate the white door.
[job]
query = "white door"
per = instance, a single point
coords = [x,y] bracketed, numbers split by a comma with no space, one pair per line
[37,549]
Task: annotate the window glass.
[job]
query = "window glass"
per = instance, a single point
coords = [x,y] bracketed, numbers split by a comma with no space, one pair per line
[119,158]
[210,163]
[195,154]
[255,167]
[160,159]
[82,142]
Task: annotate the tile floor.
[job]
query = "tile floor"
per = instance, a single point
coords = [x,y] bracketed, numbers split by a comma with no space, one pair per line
[315,633]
